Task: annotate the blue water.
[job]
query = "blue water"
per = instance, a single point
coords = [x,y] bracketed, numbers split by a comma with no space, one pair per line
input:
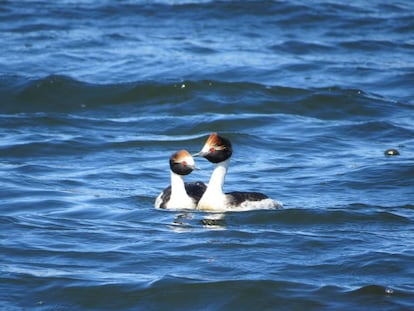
[96,95]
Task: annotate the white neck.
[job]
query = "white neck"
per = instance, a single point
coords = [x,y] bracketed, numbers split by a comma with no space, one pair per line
[217,177]
[214,197]
[177,187]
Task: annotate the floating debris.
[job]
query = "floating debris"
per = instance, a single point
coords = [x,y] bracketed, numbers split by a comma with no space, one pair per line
[391,152]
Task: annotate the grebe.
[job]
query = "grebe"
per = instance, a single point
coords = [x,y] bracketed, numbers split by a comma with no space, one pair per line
[180,195]
[218,150]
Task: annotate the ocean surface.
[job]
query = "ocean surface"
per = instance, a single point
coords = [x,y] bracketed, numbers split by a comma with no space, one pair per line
[96,95]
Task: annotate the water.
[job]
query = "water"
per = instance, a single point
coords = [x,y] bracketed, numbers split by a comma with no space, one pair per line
[96,96]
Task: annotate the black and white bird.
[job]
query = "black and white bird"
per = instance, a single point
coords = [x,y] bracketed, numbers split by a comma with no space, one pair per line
[180,195]
[218,151]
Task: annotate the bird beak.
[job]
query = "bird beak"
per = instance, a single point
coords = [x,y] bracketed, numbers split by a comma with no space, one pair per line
[200,154]
[193,167]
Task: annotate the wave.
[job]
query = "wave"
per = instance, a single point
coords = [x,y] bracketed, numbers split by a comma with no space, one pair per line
[62,94]
[351,213]
[176,293]
[334,220]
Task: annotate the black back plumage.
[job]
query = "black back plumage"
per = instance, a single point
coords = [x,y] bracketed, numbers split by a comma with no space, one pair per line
[238,197]
[195,190]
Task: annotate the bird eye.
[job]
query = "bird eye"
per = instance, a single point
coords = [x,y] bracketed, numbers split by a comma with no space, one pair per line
[212,149]
[184,163]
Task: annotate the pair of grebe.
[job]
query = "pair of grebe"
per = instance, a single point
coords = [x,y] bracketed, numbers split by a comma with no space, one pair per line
[197,195]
